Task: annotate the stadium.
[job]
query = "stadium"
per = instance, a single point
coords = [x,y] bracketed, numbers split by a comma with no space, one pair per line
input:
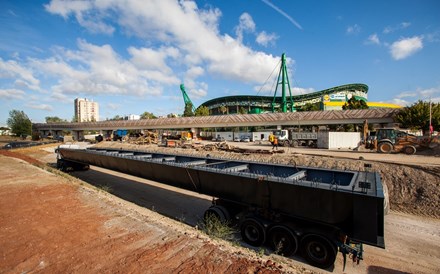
[328,99]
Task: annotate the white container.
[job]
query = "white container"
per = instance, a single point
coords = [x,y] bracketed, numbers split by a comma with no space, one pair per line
[338,140]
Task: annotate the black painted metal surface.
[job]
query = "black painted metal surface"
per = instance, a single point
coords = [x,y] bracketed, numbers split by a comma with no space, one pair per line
[352,201]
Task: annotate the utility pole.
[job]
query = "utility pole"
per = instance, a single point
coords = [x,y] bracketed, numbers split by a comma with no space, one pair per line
[431,130]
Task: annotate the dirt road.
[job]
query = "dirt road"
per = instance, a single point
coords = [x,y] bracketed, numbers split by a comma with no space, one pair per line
[412,242]
[53,225]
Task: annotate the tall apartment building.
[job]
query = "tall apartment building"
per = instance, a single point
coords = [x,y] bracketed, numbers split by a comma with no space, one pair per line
[86,111]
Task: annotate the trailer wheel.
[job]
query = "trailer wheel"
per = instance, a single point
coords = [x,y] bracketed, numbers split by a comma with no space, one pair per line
[318,251]
[385,147]
[216,211]
[283,241]
[409,150]
[253,232]
[61,165]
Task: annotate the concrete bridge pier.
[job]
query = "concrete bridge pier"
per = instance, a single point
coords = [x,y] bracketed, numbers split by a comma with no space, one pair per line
[77,135]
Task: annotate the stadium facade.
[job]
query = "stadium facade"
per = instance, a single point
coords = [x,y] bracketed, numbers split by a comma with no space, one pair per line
[328,99]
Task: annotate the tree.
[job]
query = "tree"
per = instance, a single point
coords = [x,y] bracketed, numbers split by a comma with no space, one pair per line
[310,107]
[417,116]
[353,103]
[54,119]
[172,115]
[202,111]
[148,115]
[19,123]
[116,118]
[242,110]
[223,109]
[188,112]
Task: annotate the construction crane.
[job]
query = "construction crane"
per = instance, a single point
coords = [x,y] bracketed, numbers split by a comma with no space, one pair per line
[284,81]
[186,98]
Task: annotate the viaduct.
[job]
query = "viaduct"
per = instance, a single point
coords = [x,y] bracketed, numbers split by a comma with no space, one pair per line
[381,116]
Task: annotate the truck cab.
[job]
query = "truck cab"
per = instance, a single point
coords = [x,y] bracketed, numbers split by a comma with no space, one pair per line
[283,137]
[389,134]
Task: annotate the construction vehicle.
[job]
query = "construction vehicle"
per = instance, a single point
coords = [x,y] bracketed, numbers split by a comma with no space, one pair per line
[119,134]
[291,138]
[294,209]
[188,103]
[394,140]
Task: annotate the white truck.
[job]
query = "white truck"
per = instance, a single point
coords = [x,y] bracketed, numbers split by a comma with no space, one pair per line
[288,137]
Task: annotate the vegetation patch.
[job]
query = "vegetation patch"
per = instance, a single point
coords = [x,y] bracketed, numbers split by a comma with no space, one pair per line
[216,228]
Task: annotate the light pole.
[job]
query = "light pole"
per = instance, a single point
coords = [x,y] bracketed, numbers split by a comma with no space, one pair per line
[431,130]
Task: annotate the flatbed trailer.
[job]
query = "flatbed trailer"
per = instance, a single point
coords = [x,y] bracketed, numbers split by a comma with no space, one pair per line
[310,210]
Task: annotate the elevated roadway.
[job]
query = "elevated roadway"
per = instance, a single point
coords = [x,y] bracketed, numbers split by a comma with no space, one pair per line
[332,117]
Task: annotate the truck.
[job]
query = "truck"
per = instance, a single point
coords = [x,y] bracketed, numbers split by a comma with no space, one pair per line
[119,134]
[389,140]
[293,209]
[289,137]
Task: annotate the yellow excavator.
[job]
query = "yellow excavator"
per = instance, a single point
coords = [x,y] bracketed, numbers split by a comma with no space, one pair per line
[389,140]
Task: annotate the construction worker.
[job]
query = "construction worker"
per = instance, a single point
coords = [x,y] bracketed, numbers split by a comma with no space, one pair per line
[275,143]
[271,138]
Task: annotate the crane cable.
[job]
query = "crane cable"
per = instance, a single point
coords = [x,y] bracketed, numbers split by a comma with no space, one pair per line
[261,87]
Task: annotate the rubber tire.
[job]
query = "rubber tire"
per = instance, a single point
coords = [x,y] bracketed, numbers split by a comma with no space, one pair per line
[318,251]
[220,212]
[61,165]
[385,147]
[253,232]
[286,143]
[409,150]
[283,234]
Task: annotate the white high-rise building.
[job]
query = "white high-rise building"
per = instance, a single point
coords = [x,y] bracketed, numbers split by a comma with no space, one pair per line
[86,111]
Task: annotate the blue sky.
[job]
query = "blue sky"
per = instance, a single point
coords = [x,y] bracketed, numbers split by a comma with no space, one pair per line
[131,56]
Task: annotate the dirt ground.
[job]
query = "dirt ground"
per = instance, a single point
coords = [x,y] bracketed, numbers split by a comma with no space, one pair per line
[54,224]
[50,222]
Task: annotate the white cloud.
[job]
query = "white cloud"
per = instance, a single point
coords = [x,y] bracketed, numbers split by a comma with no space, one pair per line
[406,47]
[265,39]
[191,30]
[300,91]
[197,93]
[10,94]
[246,24]
[23,76]
[113,106]
[192,47]
[60,97]
[373,39]
[195,72]
[433,37]
[151,59]
[406,94]
[355,29]
[100,70]
[400,26]
[91,21]
[40,106]
[400,102]
[409,97]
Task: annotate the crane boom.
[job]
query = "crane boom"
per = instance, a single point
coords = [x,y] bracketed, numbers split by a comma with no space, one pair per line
[186,98]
